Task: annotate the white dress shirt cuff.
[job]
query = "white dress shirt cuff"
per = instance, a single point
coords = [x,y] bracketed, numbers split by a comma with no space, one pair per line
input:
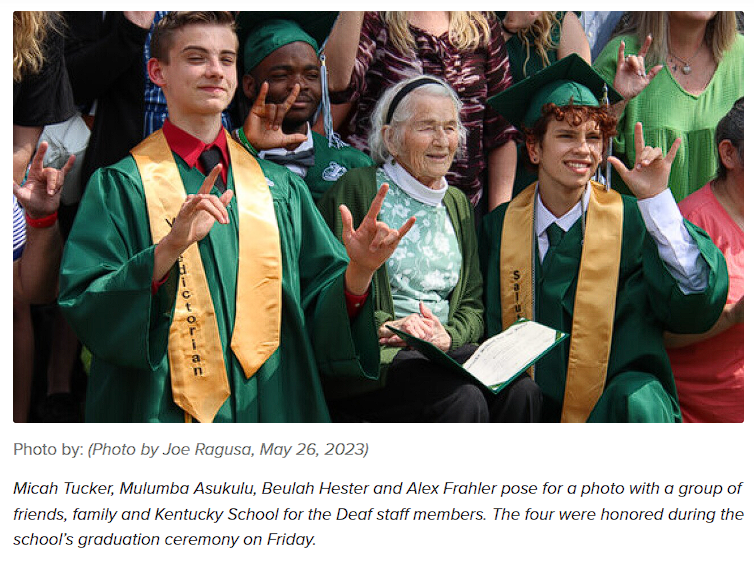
[677,249]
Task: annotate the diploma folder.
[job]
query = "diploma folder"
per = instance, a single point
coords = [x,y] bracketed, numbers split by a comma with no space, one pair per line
[500,359]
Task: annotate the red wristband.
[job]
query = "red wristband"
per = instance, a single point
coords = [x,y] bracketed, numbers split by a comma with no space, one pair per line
[42,222]
[354,302]
[157,284]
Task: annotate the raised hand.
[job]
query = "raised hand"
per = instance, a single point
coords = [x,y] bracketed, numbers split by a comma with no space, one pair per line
[651,170]
[631,78]
[262,124]
[40,194]
[370,245]
[200,211]
[194,221]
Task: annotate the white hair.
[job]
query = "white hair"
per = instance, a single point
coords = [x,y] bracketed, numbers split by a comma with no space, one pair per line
[406,108]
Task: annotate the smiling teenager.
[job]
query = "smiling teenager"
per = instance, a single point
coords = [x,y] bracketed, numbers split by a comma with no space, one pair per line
[282,80]
[613,271]
[205,303]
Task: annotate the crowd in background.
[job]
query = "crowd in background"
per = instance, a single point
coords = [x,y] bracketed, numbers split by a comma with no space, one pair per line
[83,99]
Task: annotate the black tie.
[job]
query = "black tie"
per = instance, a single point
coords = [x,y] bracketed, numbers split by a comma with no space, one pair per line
[210,158]
[302,158]
[554,236]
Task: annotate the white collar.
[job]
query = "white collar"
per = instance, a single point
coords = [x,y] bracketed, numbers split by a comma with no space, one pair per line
[306,145]
[565,222]
[413,187]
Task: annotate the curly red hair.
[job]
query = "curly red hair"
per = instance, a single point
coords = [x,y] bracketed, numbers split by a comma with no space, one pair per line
[574,115]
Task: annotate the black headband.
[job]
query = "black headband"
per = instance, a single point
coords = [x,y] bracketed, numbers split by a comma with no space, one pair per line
[405,90]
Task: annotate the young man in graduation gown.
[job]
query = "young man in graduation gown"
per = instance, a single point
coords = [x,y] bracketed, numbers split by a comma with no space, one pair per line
[205,303]
[283,77]
[612,271]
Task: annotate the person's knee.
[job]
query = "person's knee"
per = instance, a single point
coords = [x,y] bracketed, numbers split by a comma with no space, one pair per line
[521,402]
[636,398]
[526,391]
[465,405]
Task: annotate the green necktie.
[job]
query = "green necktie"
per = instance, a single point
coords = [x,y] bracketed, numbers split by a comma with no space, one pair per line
[554,236]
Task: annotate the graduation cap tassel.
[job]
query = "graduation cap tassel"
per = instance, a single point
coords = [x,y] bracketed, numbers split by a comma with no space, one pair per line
[333,139]
[608,166]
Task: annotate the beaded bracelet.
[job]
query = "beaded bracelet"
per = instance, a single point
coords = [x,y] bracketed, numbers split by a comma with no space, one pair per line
[240,136]
[42,222]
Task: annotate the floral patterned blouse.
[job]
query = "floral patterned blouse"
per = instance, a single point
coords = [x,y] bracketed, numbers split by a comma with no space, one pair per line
[427,263]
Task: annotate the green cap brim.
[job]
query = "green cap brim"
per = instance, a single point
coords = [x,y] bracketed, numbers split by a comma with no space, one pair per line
[258,39]
[569,80]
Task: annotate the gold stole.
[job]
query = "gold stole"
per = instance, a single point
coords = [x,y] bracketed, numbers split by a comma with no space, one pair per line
[197,366]
[594,306]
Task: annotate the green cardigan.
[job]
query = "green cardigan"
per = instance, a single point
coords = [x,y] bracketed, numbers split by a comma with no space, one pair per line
[356,189]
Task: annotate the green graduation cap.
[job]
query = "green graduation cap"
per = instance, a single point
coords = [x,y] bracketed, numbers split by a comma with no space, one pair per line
[570,79]
[261,33]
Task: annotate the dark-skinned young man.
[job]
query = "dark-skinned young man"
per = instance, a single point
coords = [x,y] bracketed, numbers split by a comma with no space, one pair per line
[283,78]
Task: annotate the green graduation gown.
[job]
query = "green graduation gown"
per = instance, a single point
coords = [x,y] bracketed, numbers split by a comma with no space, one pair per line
[330,164]
[639,385]
[105,293]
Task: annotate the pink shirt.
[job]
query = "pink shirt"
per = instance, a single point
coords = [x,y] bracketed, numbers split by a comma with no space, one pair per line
[710,374]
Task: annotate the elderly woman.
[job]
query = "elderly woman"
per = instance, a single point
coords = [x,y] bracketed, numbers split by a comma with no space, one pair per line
[369,51]
[431,286]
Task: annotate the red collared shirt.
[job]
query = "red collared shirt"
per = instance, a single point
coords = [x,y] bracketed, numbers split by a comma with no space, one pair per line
[190,148]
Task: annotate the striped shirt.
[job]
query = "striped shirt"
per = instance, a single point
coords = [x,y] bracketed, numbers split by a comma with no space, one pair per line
[475,76]
[19,230]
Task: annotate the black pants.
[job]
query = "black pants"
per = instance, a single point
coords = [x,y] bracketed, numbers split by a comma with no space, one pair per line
[420,391]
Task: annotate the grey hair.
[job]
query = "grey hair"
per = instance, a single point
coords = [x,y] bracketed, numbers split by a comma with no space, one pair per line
[405,110]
